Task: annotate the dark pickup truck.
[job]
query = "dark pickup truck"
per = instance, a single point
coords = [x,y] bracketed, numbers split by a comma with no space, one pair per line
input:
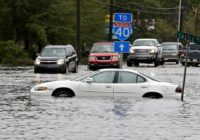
[193,55]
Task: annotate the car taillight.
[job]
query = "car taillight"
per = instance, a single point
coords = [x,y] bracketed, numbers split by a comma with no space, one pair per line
[92,58]
[115,58]
[179,90]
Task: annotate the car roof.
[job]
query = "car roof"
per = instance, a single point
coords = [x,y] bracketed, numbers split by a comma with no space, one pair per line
[58,46]
[112,69]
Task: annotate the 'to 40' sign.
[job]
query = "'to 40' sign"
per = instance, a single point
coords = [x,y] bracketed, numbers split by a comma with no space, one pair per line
[122,33]
[122,26]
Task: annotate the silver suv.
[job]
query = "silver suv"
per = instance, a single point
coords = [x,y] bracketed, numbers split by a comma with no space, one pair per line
[57,58]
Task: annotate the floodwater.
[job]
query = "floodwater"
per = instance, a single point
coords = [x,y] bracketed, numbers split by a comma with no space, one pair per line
[27,117]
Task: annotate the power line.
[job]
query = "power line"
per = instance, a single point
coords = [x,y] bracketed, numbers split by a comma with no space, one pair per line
[158,8]
[140,10]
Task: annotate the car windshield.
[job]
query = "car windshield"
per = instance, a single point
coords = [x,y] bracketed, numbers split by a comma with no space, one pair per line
[53,52]
[100,48]
[170,47]
[194,47]
[83,77]
[144,43]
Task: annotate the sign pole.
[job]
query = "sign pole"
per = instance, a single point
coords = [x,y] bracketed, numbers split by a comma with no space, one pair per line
[121,60]
[185,70]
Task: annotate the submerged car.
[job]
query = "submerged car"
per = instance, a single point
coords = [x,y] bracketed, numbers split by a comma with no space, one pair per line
[171,51]
[102,55]
[110,83]
[57,58]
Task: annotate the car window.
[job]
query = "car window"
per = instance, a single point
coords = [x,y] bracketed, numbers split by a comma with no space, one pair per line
[53,52]
[104,77]
[194,47]
[170,47]
[129,77]
[100,48]
[144,43]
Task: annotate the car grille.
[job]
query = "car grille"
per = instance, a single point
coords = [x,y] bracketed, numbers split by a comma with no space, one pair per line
[142,50]
[48,62]
[103,57]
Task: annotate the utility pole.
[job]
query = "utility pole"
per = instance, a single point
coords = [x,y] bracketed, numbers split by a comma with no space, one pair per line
[78,29]
[180,16]
[111,20]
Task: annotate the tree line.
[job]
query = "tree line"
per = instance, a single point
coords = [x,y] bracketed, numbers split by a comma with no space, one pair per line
[32,24]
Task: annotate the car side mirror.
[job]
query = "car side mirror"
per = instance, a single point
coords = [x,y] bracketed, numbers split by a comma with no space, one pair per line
[37,54]
[159,45]
[88,80]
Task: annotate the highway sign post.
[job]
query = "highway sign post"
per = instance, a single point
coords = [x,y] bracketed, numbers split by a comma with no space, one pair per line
[122,29]
[189,38]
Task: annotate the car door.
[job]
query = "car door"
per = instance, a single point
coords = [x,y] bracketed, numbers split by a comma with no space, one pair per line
[101,84]
[130,84]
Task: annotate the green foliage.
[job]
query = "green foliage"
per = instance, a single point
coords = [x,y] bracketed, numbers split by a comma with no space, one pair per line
[12,55]
[40,22]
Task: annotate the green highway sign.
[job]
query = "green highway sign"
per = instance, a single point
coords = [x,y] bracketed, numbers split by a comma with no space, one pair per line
[188,37]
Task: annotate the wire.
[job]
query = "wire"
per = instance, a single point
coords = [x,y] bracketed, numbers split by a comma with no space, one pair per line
[142,11]
[159,8]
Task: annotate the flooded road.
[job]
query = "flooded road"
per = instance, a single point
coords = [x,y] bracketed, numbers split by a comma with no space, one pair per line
[23,116]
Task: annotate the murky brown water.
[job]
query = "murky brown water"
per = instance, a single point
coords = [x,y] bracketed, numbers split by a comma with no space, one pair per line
[23,116]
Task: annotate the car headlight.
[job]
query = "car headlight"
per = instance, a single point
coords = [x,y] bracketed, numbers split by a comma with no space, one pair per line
[37,61]
[152,51]
[41,88]
[115,58]
[132,50]
[92,58]
[60,61]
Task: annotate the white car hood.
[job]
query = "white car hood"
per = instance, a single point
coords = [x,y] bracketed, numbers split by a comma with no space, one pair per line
[143,47]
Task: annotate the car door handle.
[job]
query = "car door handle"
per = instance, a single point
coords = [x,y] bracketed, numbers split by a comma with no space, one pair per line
[107,86]
[143,86]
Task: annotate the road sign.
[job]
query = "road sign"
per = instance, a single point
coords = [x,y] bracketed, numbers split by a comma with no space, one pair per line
[121,46]
[122,17]
[188,37]
[122,33]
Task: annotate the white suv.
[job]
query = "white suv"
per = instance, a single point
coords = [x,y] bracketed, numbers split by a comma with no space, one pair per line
[145,51]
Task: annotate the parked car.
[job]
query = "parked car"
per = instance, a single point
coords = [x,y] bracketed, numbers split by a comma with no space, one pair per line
[193,55]
[58,58]
[145,51]
[121,83]
[171,51]
[102,55]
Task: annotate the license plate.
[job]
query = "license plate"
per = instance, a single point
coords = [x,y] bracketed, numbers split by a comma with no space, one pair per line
[194,60]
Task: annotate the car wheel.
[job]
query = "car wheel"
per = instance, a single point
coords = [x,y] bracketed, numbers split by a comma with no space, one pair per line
[35,70]
[177,62]
[156,63]
[136,64]
[63,93]
[129,63]
[75,68]
[90,67]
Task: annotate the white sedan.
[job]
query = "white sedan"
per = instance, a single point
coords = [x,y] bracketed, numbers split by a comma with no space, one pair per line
[111,83]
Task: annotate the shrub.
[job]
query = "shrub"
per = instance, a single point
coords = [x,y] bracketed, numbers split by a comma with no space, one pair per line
[12,55]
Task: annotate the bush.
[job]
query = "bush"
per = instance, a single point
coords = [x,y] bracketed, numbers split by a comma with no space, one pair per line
[12,55]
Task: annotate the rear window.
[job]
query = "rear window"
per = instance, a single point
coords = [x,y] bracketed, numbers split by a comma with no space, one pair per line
[102,48]
[194,47]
